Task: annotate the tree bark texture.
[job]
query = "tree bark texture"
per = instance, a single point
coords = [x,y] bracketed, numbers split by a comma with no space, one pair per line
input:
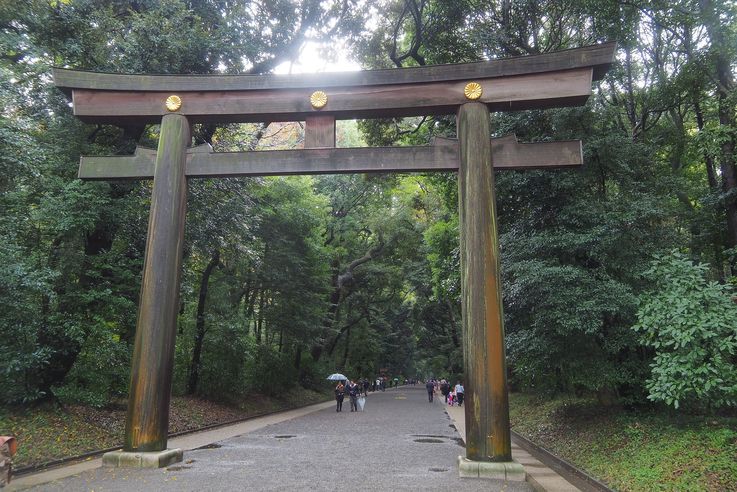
[194,368]
[725,86]
[147,421]
[487,408]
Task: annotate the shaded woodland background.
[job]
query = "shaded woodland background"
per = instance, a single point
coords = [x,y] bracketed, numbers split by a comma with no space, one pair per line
[618,278]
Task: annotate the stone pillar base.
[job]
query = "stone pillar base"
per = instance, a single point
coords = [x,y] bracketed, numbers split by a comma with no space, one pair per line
[508,470]
[148,459]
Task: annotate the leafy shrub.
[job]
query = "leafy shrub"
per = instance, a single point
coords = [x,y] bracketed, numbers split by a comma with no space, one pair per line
[22,355]
[223,373]
[101,370]
[691,323]
[312,374]
[270,372]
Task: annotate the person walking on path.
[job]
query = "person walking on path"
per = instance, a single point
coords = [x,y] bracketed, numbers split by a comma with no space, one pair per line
[339,395]
[430,387]
[353,391]
[445,389]
[459,393]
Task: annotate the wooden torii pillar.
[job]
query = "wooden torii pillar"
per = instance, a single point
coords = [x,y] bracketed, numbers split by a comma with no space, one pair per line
[468,90]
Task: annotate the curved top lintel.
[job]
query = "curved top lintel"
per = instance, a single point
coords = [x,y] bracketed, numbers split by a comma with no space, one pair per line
[599,57]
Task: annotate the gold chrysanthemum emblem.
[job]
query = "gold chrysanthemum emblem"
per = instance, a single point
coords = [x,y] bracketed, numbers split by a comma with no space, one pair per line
[318,99]
[173,102]
[473,91]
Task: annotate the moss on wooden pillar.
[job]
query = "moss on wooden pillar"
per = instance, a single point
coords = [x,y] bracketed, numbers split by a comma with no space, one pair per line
[147,421]
[487,407]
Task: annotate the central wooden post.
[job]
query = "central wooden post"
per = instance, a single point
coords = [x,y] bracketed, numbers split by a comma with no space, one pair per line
[487,406]
[147,421]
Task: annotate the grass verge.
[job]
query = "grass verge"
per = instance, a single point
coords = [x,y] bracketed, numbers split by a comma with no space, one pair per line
[633,450]
[49,432]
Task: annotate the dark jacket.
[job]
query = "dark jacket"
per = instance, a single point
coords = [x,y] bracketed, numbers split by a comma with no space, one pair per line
[353,390]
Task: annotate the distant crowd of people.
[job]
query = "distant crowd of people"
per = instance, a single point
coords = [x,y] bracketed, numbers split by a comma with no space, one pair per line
[355,388]
[453,394]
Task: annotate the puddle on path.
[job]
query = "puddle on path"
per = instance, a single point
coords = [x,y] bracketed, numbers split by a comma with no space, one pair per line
[459,441]
[288,436]
[211,446]
[434,438]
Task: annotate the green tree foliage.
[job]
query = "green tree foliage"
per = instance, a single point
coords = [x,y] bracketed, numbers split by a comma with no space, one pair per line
[367,229]
[691,324]
[574,244]
[286,279]
[72,251]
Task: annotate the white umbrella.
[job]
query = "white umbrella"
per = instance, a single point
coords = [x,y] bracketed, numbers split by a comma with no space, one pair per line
[361,402]
[337,377]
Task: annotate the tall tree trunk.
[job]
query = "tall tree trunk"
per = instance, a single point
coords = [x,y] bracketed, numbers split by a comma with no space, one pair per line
[347,348]
[711,175]
[63,350]
[194,368]
[180,327]
[260,315]
[453,324]
[298,358]
[695,92]
[250,309]
[708,160]
[334,342]
[716,239]
[333,305]
[340,284]
[725,86]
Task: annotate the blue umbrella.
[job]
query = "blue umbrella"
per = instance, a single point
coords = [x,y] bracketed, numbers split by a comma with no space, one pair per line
[337,377]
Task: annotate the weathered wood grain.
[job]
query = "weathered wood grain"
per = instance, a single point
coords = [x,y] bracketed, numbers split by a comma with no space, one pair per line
[147,420]
[540,90]
[510,154]
[319,131]
[443,156]
[487,409]
[598,56]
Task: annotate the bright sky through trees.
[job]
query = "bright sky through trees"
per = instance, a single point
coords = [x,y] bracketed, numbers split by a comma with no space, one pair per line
[312,60]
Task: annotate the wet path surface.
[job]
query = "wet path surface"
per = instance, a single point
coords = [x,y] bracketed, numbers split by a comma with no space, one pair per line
[400,442]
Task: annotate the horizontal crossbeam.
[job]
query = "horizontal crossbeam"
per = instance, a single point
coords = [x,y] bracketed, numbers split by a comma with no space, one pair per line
[541,81]
[547,90]
[598,56]
[442,156]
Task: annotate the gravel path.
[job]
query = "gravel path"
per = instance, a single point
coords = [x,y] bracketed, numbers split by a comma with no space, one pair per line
[400,442]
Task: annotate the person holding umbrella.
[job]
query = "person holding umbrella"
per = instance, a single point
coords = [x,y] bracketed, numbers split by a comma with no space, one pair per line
[339,395]
[339,390]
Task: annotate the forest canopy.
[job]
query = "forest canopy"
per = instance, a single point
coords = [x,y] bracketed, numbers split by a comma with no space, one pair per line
[618,277]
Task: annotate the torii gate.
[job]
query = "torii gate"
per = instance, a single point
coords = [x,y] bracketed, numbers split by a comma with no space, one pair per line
[469,90]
